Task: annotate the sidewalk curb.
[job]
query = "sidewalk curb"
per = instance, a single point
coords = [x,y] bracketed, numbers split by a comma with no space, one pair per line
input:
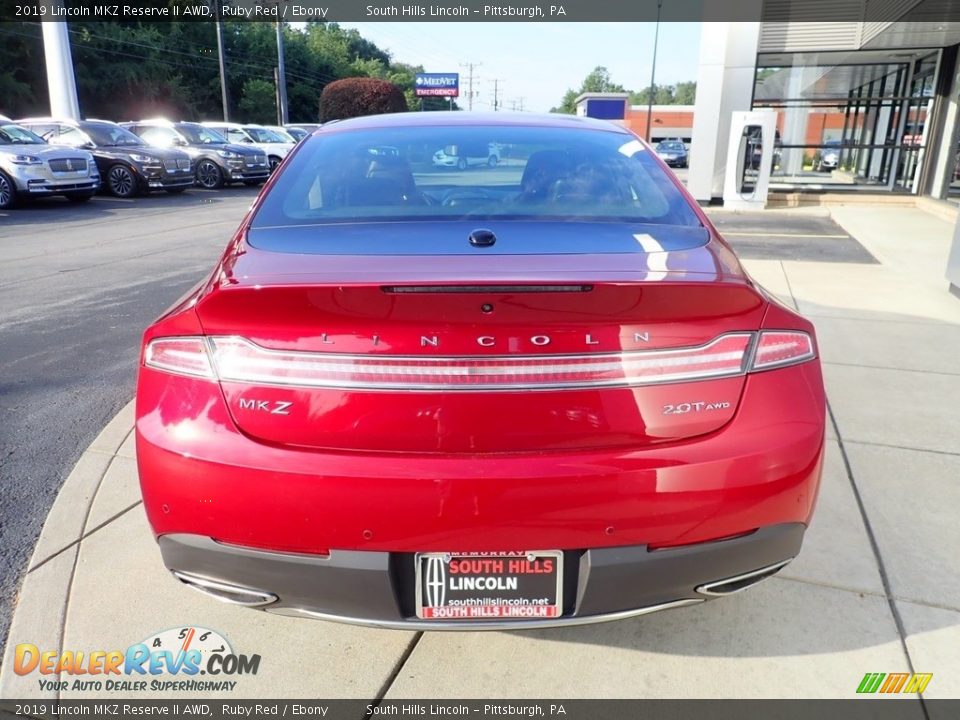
[49,577]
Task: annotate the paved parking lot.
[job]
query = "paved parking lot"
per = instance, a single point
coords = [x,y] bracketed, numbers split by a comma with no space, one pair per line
[874,590]
[77,286]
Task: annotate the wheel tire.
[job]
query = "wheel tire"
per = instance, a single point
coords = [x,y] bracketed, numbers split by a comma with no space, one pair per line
[78,197]
[462,164]
[8,193]
[492,161]
[121,182]
[274,161]
[175,191]
[209,175]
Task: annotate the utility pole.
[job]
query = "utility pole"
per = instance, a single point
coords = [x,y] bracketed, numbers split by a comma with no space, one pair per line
[470,67]
[281,78]
[496,95]
[224,90]
[653,70]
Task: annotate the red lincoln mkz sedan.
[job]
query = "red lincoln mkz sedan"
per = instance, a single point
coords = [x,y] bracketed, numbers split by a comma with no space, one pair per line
[536,392]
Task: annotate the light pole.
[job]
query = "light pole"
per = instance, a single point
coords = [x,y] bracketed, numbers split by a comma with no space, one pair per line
[281,78]
[653,70]
[224,90]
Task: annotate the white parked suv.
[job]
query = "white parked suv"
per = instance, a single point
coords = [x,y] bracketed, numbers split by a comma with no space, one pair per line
[464,156]
[29,167]
[275,145]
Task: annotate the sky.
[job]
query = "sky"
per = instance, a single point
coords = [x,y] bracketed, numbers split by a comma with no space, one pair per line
[536,63]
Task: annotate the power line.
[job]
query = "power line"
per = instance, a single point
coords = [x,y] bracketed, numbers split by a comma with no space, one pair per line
[470,67]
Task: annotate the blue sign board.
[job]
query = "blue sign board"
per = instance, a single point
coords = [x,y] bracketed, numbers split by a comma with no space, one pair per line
[606,108]
[436,84]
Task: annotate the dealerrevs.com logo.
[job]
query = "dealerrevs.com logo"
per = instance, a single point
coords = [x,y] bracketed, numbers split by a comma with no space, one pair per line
[189,659]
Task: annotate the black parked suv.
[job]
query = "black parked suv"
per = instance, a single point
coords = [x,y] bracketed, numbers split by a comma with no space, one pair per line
[128,166]
[215,161]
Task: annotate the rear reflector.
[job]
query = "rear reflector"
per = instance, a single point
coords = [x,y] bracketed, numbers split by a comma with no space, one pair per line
[777,348]
[236,359]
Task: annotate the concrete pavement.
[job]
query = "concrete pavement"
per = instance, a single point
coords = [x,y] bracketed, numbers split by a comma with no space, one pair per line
[77,286]
[875,589]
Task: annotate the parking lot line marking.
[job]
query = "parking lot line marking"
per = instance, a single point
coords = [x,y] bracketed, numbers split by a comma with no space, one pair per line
[776,234]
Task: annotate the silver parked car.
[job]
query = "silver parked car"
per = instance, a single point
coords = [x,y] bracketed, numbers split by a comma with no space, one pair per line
[829,156]
[29,167]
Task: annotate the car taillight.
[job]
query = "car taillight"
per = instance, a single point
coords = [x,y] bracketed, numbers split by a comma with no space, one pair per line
[777,348]
[239,360]
[181,355]
[236,359]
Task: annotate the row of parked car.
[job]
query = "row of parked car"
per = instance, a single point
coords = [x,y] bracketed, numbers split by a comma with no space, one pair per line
[78,158]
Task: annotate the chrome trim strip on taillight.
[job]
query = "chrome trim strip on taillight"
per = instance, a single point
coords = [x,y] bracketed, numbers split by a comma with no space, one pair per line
[469,373]
[486,367]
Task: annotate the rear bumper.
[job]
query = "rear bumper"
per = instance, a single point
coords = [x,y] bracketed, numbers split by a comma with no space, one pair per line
[377,588]
[201,476]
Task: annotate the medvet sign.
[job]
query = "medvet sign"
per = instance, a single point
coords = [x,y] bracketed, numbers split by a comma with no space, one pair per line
[437,84]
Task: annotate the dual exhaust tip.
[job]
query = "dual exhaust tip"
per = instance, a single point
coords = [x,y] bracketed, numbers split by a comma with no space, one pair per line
[226,592]
[253,598]
[737,583]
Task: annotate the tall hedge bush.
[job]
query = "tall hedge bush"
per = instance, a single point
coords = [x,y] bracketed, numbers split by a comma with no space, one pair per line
[354,97]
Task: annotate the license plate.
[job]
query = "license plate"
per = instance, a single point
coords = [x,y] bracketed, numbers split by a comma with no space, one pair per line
[489,586]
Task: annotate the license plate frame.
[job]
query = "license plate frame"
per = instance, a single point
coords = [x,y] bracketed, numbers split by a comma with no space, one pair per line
[528,600]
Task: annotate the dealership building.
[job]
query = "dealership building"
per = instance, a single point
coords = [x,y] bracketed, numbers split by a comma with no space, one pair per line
[861,106]
[880,97]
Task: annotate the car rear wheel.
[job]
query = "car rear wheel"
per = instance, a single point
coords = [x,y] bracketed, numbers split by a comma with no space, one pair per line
[78,197]
[209,175]
[8,193]
[492,161]
[462,164]
[121,183]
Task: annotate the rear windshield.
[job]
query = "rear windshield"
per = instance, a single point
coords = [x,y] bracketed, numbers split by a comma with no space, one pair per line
[497,172]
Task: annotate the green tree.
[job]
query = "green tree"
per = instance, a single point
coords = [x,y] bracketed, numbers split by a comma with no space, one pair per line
[131,70]
[685,93]
[597,80]
[662,95]
[258,103]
